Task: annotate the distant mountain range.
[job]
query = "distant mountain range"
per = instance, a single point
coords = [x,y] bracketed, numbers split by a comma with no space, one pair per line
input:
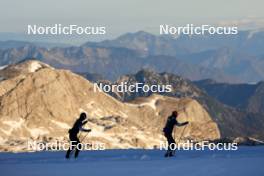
[250,42]
[9,44]
[109,62]
[224,58]
[236,56]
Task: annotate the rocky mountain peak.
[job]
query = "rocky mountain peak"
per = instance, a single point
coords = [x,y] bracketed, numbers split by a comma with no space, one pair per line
[23,67]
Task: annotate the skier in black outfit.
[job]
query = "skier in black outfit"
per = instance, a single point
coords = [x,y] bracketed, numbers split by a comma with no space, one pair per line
[168,129]
[73,134]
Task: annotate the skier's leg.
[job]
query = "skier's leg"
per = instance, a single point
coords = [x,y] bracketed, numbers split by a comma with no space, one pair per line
[68,153]
[71,147]
[77,149]
[73,143]
[171,142]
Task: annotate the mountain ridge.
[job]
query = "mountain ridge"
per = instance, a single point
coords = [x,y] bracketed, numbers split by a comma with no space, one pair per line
[225,116]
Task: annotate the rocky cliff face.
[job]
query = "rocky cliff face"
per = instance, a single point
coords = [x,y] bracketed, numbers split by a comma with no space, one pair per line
[41,103]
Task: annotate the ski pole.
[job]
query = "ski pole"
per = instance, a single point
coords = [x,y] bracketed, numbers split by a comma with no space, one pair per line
[179,139]
[174,134]
[182,133]
[84,137]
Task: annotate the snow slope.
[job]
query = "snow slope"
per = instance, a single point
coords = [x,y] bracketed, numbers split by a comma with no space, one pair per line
[246,161]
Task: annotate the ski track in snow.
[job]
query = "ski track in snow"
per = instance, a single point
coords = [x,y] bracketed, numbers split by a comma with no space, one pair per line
[246,161]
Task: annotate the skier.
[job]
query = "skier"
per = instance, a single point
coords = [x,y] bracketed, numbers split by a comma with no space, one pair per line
[73,134]
[168,129]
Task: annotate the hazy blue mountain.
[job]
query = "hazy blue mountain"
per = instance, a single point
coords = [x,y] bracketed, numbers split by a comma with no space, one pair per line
[13,44]
[110,62]
[248,97]
[9,44]
[231,62]
[250,42]
[256,101]
[238,55]
[145,43]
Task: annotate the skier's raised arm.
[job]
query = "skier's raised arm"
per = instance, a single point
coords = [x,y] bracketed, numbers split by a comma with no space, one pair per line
[84,130]
[182,124]
[84,122]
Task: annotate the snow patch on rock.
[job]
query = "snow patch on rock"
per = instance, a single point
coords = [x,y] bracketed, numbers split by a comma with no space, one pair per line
[34,66]
[151,103]
[61,124]
[36,132]
[3,67]
[13,125]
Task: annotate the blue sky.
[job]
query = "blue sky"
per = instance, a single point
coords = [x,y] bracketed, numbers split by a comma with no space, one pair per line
[122,16]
